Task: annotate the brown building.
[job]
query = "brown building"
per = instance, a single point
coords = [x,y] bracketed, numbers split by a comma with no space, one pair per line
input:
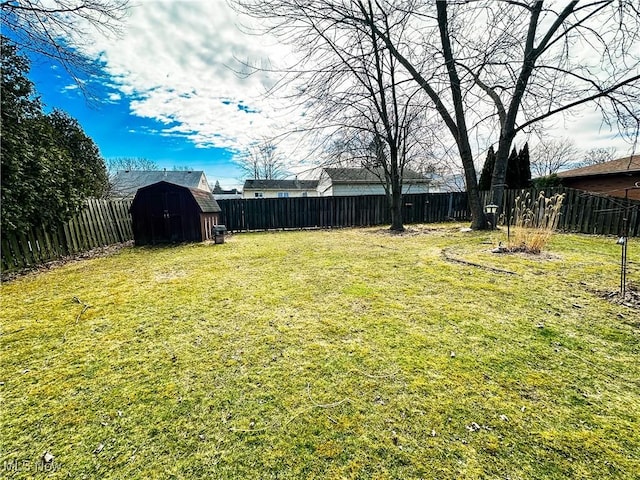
[609,178]
[168,213]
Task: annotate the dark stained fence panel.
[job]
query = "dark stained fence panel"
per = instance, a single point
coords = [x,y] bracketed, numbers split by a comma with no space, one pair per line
[338,212]
[582,212]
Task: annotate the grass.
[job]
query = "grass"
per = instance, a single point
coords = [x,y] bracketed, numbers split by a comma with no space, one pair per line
[324,354]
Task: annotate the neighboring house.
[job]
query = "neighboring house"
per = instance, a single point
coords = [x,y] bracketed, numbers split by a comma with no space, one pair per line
[280,188]
[165,212]
[447,183]
[230,194]
[125,183]
[609,178]
[360,181]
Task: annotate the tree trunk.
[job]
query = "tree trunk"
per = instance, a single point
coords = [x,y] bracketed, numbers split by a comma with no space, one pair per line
[396,211]
[478,218]
[500,172]
[507,129]
[459,129]
[395,201]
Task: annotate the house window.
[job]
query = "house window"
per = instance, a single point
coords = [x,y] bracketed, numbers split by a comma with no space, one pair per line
[283,194]
[258,195]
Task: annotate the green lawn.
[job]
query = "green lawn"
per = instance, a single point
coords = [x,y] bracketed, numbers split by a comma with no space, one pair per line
[325,354]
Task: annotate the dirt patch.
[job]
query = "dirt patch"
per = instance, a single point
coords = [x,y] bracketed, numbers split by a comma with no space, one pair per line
[542,256]
[630,299]
[93,253]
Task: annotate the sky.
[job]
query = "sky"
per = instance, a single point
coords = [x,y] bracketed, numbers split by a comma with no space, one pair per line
[174,90]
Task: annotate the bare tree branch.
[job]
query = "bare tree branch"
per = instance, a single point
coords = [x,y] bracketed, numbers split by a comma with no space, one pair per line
[58,29]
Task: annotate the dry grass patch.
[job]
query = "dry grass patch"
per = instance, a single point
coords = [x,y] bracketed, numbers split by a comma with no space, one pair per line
[534,222]
[325,354]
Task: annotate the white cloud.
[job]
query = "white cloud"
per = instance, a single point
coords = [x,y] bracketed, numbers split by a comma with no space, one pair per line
[179,63]
[588,130]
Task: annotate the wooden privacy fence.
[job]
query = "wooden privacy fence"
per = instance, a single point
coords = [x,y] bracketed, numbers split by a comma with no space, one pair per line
[98,224]
[105,222]
[334,212]
[582,212]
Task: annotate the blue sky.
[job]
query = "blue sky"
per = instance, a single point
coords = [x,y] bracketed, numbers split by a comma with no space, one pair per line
[118,133]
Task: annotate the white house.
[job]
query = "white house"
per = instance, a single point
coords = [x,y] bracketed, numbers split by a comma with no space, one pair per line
[361,181]
[279,188]
[230,194]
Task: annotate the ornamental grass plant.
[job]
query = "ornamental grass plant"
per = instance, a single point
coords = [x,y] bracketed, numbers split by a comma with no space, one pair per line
[534,221]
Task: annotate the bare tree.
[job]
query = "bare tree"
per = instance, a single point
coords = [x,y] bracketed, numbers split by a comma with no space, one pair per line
[551,156]
[355,96]
[131,163]
[523,63]
[262,161]
[57,29]
[498,67]
[376,111]
[594,156]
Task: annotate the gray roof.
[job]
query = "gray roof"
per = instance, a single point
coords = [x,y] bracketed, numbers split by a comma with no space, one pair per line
[280,184]
[363,175]
[125,183]
[205,201]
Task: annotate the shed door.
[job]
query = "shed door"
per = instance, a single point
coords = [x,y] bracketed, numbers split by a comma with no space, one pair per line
[166,218]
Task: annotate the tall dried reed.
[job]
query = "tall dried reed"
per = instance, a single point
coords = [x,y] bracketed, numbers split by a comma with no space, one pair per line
[534,221]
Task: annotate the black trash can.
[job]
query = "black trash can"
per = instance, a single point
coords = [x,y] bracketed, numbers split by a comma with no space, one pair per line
[218,233]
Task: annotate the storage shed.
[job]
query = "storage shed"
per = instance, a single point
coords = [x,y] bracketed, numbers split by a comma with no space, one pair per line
[165,212]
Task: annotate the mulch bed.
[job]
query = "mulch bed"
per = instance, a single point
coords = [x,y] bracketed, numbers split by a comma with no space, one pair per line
[631,298]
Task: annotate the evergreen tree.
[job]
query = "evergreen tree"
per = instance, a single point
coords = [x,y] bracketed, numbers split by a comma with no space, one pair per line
[512,178]
[549,181]
[518,169]
[487,170]
[19,107]
[49,166]
[217,188]
[524,165]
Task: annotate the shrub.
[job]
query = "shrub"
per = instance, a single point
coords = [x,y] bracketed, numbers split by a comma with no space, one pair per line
[552,180]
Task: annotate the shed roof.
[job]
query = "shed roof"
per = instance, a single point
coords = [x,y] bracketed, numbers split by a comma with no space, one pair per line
[205,200]
[364,175]
[257,184]
[125,183]
[620,166]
